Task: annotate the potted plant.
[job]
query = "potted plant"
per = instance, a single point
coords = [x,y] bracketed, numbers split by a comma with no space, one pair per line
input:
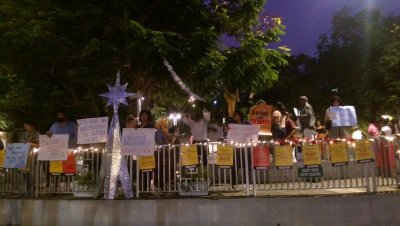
[84,185]
[193,182]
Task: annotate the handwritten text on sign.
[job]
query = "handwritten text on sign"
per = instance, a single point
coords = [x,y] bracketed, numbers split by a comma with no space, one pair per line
[16,155]
[242,133]
[346,116]
[92,130]
[137,142]
[54,147]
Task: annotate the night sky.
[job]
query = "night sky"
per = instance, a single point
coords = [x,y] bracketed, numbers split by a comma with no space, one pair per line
[305,20]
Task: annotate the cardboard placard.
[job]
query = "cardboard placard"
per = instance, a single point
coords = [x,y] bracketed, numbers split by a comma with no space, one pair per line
[54,148]
[339,154]
[16,155]
[260,115]
[261,157]
[2,156]
[239,133]
[283,157]
[311,156]
[363,151]
[63,167]
[224,156]
[346,116]
[190,158]
[147,162]
[138,142]
[92,130]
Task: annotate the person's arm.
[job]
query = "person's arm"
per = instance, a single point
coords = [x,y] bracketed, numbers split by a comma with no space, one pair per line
[187,121]
[51,131]
[291,134]
[35,141]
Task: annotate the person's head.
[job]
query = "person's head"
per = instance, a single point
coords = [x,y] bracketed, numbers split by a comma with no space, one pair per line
[318,123]
[336,101]
[198,115]
[261,102]
[278,106]
[303,100]
[162,123]
[130,122]
[61,116]
[238,116]
[28,125]
[145,116]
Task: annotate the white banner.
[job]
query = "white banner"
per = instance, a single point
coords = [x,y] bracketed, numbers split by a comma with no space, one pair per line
[346,116]
[239,133]
[138,142]
[92,130]
[16,155]
[54,147]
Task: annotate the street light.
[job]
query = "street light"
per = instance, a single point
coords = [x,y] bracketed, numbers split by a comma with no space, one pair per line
[175,116]
[139,97]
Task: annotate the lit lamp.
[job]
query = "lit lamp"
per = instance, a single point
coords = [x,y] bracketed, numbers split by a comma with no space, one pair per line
[175,116]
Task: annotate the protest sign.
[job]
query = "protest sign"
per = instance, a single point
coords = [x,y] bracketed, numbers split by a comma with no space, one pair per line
[363,151]
[92,130]
[147,163]
[224,156]
[261,157]
[64,167]
[346,116]
[260,115]
[16,155]
[56,167]
[239,133]
[339,156]
[311,156]
[189,156]
[283,157]
[54,147]
[138,142]
[2,156]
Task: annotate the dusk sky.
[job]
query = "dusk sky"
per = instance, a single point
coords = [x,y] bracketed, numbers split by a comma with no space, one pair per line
[305,20]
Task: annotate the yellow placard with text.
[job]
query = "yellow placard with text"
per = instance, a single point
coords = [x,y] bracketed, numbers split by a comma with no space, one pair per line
[224,155]
[363,151]
[56,167]
[2,156]
[338,152]
[283,157]
[189,155]
[311,155]
[147,162]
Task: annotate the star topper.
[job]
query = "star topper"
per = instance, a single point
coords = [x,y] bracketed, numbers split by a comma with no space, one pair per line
[117,94]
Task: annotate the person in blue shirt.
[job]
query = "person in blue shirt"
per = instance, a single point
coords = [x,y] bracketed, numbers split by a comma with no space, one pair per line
[63,126]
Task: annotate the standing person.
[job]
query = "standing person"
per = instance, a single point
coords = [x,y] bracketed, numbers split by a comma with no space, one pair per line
[278,121]
[131,122]
[198,127]
[395,126]
[337,132]
[373,131]
[290,129]
[63,126]
[306,117]
[162,133]
[145,119]
[239,161]
[385,130]
[320,129]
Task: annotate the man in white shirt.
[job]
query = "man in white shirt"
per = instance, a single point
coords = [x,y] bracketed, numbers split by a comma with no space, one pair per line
[386,130]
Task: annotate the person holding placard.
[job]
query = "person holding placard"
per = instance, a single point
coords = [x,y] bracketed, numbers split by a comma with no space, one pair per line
[63,126]
[198,127]
[145,119]
[278,121]
[306,118]
[336,132]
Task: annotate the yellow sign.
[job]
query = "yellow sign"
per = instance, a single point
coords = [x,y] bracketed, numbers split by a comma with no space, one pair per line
[311,155]
[364,151]
[56,167]
[2,156]
[224,155]
[283,157]
[28,164]
[261,115]
[147,162]
[189,155]
[339,153]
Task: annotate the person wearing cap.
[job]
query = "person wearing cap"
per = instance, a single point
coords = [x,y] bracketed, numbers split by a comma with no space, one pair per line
[63,126]
[306,117]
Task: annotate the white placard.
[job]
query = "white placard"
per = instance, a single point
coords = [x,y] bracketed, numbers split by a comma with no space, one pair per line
[296,111]
[346,116]
[239,133]
[92,130]
[16,155]
[331,115]
[54,147]
[138,141]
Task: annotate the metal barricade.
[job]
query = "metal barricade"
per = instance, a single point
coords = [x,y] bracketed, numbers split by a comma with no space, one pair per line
[387,161]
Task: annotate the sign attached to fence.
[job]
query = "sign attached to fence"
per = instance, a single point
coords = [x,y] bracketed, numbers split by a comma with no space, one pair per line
[260,115]
[310,172]
[239,133]
[346,116]
[339,156]
[63,167]
[28,164]
[92,130]
[283,157]
[16,155]
[311,156]
[2,156]
[363,151]
[147,163]
[138,142]
[190,158]
[53,148]
[261,157]
[224,156]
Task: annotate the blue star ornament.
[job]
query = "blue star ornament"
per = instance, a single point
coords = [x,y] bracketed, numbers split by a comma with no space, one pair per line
[117,94]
